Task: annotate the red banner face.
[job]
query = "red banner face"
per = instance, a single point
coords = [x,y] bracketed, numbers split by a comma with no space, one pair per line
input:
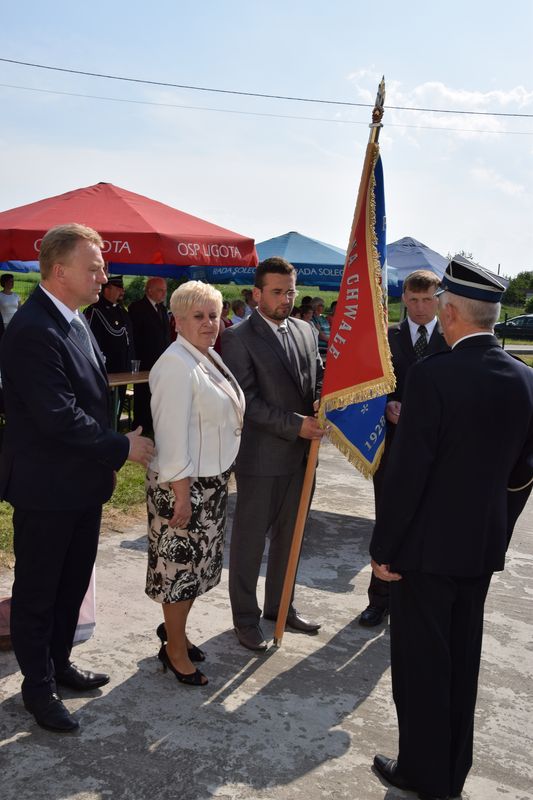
[354,356]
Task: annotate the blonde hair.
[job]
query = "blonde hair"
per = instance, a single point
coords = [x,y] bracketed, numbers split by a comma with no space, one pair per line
[191,293]
[59,242]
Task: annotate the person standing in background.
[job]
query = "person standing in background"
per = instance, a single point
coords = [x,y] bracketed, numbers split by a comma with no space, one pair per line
[111,326]
[9,300]
[322,326]
[151,337]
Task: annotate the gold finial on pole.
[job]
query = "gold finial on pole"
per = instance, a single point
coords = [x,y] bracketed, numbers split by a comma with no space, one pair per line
[378,111]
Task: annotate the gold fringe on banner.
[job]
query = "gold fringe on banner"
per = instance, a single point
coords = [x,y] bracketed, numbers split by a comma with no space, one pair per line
[353,455]
[387,382]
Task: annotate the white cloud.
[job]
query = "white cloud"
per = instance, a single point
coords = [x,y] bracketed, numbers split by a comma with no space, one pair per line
[489,177]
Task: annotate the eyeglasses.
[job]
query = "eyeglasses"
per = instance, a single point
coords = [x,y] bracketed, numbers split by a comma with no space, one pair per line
[290,295]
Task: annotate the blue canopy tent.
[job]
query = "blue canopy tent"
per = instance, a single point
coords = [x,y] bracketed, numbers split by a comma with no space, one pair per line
[153,270]
[320,264]
[317,263]
[19,266]
[406,255]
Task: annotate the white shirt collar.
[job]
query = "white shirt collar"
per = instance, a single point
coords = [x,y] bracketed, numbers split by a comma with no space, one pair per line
[67,312]
[414,326]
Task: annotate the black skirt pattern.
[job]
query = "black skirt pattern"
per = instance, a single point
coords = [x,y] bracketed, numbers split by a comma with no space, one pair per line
[186,562]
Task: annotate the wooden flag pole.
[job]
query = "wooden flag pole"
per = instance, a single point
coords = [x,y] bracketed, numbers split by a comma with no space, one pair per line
[312,458]
[297,538]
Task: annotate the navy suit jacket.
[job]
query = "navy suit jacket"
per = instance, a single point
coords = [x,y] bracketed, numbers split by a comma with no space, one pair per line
[59,451]
[276,401]
[465,435]
[403,353]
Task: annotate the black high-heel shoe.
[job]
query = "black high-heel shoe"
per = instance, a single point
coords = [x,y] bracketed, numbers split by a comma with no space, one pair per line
[194,653]
[195,678]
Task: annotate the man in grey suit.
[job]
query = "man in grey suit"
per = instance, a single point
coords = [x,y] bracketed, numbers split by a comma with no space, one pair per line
[276,361]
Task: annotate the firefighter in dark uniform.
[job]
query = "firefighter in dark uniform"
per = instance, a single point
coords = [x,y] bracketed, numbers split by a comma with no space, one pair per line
[110,323]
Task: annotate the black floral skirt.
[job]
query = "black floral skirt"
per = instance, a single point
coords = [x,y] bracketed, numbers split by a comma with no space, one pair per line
[186,562]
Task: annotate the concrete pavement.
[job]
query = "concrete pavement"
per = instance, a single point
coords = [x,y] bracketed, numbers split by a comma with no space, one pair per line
[301,722]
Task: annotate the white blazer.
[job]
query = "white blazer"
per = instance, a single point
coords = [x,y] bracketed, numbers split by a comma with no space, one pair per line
[198,414]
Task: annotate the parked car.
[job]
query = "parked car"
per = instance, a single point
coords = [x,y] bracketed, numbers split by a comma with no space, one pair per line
[515,328]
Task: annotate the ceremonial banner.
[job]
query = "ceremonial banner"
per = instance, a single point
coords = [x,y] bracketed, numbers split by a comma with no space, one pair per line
[358,366]
[359,372]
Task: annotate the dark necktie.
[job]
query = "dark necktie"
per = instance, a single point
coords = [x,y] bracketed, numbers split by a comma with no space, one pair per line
[162,313]
[289,350]
[421,343]
[83,338]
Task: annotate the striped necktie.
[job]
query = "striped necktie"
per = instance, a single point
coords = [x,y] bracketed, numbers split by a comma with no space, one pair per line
[82,335]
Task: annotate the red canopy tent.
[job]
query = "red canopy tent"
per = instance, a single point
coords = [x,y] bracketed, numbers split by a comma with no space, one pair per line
[135,230]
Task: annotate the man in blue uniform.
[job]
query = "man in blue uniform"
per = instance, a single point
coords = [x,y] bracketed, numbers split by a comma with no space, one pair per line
[459,473]
[416,337]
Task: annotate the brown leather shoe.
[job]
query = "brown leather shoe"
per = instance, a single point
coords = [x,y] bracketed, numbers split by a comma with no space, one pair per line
[251,636]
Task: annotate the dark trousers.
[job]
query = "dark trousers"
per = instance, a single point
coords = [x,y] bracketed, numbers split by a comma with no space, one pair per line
[436,627]
[142,414]
[378,590]
[54,557]
[263,504]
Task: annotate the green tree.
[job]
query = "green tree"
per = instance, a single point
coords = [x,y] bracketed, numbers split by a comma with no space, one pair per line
[515,294]
[529,306]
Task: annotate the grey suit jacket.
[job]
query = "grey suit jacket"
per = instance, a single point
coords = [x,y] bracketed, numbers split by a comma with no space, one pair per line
[276,400]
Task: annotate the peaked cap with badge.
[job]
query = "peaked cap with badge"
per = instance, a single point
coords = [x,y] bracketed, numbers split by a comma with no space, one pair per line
[467,279]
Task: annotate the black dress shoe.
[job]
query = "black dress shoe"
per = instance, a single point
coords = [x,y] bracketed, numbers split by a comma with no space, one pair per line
[297,622]
[388,769]
[373,615]
[51,714]
[251,636]
[80,679]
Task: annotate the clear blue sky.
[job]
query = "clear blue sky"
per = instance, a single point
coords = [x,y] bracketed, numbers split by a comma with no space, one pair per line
[265,175]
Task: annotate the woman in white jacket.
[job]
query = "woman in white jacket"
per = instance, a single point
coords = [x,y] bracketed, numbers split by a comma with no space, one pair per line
[197,408]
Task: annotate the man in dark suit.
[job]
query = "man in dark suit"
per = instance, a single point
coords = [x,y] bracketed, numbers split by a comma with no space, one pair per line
[57,465]
[275,359]
[463,447]
[416,337]
[151,336]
